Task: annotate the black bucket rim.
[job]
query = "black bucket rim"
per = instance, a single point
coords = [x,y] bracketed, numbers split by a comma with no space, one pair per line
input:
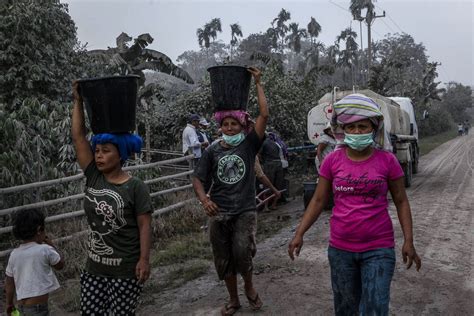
[228,66]
[107,77]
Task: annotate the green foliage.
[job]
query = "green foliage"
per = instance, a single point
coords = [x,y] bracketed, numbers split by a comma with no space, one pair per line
[197,62]
[40,57]
[428,143]
[451,110]
[31,138]
[401,67]
[133,59]
[457,99]
[439,121]
[170,118]
[289,101]
[37,51]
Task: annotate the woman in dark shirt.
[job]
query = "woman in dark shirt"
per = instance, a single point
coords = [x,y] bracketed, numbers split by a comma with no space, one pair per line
[231,205]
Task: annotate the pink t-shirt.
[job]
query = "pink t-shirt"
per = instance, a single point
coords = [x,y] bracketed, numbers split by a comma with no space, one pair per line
[360,219]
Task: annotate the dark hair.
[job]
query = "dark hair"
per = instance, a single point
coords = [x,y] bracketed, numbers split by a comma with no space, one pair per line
[26,223]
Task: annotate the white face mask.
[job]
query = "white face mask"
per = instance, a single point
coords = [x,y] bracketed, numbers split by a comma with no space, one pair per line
[233,140]
[358,142]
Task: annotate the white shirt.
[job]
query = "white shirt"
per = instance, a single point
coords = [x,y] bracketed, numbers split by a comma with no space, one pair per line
[190,140]
[30,266]
[330,145]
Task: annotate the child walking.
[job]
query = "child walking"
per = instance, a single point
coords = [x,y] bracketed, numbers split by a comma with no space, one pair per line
[29,271]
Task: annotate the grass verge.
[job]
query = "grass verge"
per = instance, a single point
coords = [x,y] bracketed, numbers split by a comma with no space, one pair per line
[429,143]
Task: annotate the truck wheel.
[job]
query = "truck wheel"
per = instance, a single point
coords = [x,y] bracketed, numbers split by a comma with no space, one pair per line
[407,170]
[415,159]
[415,167]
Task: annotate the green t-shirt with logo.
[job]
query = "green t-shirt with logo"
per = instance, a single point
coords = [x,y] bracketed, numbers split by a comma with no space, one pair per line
[232,173]
[112,210]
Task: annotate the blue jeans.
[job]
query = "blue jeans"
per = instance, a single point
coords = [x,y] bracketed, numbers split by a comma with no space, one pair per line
[34,310]
[361,280]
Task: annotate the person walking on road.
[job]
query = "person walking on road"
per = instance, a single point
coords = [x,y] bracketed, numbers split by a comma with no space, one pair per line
[231,204]
[460,129]
[118,210]
[361,244]
[466,126]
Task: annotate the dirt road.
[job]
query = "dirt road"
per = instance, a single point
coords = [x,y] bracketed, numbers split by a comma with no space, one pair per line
[442,201]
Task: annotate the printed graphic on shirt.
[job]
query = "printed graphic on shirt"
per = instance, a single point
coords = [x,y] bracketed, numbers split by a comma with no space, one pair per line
[368,189]
[109,208]
[230,169]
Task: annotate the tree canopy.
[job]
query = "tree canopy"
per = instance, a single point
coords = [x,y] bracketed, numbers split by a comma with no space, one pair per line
[39,51]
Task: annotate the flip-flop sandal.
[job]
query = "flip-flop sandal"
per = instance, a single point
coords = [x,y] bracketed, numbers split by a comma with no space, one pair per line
[255,303]
[228,309]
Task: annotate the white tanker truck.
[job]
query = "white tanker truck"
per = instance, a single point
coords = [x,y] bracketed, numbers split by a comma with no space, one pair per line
[399,119]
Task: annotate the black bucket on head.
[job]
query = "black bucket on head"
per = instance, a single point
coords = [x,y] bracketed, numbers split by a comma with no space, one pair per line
[110,103]
[230,87]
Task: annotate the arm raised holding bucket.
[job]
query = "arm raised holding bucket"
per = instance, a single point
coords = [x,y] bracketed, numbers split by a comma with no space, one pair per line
[261,122]
[81,144]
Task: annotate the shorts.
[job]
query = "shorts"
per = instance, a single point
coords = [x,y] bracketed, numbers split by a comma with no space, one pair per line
[233,243]
[34,310]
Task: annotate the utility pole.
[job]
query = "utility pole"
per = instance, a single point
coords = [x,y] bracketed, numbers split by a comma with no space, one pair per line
[369,20]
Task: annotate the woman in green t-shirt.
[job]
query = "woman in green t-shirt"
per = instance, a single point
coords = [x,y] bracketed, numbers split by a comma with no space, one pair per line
[118,210]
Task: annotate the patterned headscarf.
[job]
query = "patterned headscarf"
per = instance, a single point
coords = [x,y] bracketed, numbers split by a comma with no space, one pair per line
[126,143]
[241,116]
[356,107]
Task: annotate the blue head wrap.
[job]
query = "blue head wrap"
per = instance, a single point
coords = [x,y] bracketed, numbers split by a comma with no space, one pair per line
[126,143]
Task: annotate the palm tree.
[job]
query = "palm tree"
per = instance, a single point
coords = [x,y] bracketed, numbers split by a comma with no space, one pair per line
[313,30]
[235,31]
[294,38]
[281,28]
[209,31]
[214,27]
[347,56]
[357,6]
[204,38]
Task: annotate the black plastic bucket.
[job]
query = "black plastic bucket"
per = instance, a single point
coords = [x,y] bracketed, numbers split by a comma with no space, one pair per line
[230,87]
[110,103]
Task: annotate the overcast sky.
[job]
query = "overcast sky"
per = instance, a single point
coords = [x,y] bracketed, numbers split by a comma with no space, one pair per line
[445,27]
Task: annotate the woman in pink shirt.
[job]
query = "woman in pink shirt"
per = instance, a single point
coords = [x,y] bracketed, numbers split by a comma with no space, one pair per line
[361,245]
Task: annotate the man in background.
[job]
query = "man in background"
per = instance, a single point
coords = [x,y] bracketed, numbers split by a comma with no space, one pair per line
[191,143]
